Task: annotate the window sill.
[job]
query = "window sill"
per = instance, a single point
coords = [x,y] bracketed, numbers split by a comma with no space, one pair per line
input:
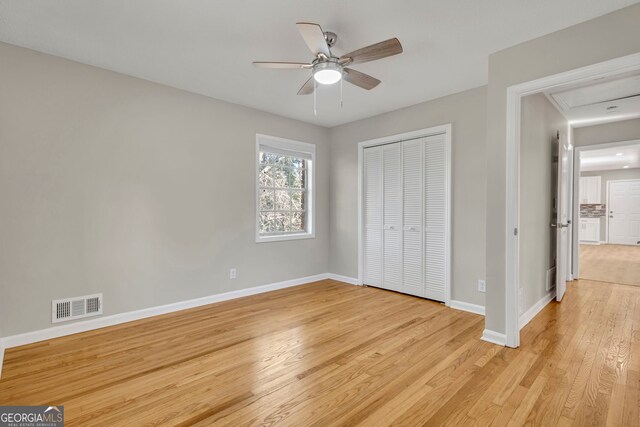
[283,237]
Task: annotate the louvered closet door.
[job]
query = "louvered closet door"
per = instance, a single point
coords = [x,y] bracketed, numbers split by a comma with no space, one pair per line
[372,233]
[392,211]
[435,207]
[413,215]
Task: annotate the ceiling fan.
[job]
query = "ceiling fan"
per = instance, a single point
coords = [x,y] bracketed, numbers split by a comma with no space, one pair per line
[327,69]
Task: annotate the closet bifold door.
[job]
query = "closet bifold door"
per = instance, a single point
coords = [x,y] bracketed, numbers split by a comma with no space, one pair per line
[413,216]
[392,203]
[435,217]
[372,232]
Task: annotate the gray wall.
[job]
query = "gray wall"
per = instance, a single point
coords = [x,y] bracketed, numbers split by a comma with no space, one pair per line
[540,122]
[606,176]
[143,192]
[626,130]
[466,111]
[607,37]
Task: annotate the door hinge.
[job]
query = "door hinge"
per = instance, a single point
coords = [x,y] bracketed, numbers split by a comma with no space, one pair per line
[515,231]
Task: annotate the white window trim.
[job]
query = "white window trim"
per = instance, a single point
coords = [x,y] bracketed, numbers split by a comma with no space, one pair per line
[287,144]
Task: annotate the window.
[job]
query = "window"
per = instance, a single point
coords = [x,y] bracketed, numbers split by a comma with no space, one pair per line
[284,189]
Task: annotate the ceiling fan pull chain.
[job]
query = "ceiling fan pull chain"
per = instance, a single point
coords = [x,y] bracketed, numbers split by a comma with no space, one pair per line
[315,91]
[341,104]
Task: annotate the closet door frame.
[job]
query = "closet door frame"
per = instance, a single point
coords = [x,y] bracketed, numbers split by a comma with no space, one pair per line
[432,131]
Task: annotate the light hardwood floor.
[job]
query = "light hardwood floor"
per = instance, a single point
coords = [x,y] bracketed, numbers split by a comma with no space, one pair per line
[334,354]
[610,263]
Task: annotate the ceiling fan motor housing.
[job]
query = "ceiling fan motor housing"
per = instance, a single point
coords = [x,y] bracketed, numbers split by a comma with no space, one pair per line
[331,38]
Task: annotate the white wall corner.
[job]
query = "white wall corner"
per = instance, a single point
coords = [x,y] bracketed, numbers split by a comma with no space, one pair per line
[345,279]
[528,315]
[466,306]
[494,337]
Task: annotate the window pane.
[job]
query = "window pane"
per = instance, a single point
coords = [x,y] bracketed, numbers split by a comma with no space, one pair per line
[281,221]
[297,178]
[297,201]
[266,176]
[267,158]
[266,222]
[283,200]
[298,163]
[280,177]
[297,221]
[282,192]
[267,200]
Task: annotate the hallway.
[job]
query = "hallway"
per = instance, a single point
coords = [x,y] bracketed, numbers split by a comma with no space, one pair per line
[610,263]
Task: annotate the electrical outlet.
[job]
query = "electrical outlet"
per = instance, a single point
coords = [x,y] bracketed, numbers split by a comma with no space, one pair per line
[482,286]
[232,273]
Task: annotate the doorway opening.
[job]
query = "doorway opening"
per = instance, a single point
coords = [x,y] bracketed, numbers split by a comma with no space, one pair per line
[608,204]
[588,96]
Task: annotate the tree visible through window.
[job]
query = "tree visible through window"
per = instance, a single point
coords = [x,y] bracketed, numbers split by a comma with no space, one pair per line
[282,194]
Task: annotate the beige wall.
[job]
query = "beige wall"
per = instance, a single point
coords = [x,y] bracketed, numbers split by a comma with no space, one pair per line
[607,37]
[466,111]
[606,176]
[626,130]
[143,192]
[540,122]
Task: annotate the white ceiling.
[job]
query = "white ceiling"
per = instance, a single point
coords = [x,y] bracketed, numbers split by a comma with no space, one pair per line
[206,46]
[610,158]
[600,101]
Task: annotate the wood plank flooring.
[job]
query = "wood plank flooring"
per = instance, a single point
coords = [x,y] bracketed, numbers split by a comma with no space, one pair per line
[610,263]
[328,353]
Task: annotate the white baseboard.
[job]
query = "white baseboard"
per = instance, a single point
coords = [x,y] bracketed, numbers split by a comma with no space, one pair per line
[536,308]
[345,279]
[115,319]
[494,337]
[589,242]
[466,306]
[1,355]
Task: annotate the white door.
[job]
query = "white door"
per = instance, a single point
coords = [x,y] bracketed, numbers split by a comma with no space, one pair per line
[413,216]
[406,217]
[624,212]
[392,203]
[372,216]
[436,262]
[563,201]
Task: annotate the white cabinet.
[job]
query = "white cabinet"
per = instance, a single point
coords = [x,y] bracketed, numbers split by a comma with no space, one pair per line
[590,230]
[590,190]
[406,217]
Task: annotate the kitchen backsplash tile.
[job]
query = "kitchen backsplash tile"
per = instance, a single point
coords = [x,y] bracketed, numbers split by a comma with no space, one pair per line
[593,210]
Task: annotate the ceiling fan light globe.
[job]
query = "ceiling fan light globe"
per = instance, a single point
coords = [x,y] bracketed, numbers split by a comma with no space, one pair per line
[327,76]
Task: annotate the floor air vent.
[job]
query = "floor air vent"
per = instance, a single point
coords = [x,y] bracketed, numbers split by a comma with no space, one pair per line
[76,308]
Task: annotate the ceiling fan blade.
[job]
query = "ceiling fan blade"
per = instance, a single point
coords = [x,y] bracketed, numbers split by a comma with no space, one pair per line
[314,38]
[371,53]
[307,87]
[359,79]
[281,65]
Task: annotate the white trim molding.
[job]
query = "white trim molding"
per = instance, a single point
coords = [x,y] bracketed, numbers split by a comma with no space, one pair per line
[515,94]
[1,355]
[528,315]
[345,279]
[494,337]
[467,306]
